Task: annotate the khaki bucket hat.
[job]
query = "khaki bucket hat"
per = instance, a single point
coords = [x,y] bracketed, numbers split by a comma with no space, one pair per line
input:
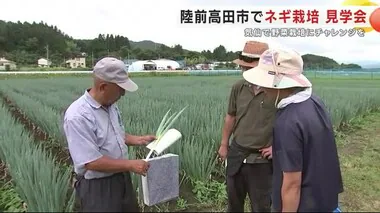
[278,69]
[251,53]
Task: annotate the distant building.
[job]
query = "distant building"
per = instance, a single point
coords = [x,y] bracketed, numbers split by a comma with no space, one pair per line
[160,64]
[42,62]
[76,62]
[7,64]
[204,66]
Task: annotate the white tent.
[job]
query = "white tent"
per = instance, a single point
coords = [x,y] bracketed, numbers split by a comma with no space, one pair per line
[161,64]
[137,66]
[165,64]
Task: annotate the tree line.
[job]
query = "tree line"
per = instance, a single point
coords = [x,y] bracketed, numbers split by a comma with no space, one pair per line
[26,42]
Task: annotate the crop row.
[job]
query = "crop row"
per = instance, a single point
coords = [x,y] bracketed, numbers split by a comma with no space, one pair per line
[37,180]
[43,100]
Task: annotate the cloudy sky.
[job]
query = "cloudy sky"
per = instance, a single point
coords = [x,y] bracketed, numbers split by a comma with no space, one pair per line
[159,21]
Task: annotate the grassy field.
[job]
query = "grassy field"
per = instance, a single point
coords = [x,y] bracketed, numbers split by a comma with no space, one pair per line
[38,103]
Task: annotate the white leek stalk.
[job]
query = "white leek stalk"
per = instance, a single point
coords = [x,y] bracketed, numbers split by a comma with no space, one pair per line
[164,126]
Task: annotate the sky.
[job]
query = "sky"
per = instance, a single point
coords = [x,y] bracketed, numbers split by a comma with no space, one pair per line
[159,21]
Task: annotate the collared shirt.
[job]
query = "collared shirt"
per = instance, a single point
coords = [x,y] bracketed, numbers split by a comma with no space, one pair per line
[254,114]
[93,131]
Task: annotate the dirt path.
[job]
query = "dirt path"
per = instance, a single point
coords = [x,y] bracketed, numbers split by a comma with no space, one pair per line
[360,162]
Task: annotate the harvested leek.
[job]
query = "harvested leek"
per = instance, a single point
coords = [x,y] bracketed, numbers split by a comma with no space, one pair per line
[164,126]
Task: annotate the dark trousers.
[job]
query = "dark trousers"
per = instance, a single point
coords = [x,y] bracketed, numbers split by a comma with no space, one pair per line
[254,180]
[109,194]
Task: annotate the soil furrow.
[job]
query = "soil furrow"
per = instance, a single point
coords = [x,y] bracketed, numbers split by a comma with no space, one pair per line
[4,175]
[62,156]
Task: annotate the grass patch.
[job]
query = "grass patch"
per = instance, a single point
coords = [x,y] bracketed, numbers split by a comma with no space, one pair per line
[359,155]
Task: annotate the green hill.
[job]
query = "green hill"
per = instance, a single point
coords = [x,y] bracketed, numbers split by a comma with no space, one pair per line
[312,61]
[145,44]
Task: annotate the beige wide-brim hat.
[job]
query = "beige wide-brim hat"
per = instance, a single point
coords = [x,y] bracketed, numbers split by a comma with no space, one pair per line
[251,53]
[278,69]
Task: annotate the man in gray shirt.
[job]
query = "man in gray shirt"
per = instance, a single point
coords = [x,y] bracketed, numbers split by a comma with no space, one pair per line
[98,143]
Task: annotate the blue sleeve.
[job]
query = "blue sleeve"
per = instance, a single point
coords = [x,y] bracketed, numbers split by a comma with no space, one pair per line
[81,140]
[289,147]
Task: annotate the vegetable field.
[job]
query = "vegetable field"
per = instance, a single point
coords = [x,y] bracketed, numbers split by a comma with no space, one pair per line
[39,165]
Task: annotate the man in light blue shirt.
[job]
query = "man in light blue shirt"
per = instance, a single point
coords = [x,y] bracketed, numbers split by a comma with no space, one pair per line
[98,143]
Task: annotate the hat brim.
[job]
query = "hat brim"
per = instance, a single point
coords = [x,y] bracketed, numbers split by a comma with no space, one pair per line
[245,64]
[266,79]
[129,85]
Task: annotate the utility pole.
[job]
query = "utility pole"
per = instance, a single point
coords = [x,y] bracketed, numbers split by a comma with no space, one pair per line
[92,59]
[47,54]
